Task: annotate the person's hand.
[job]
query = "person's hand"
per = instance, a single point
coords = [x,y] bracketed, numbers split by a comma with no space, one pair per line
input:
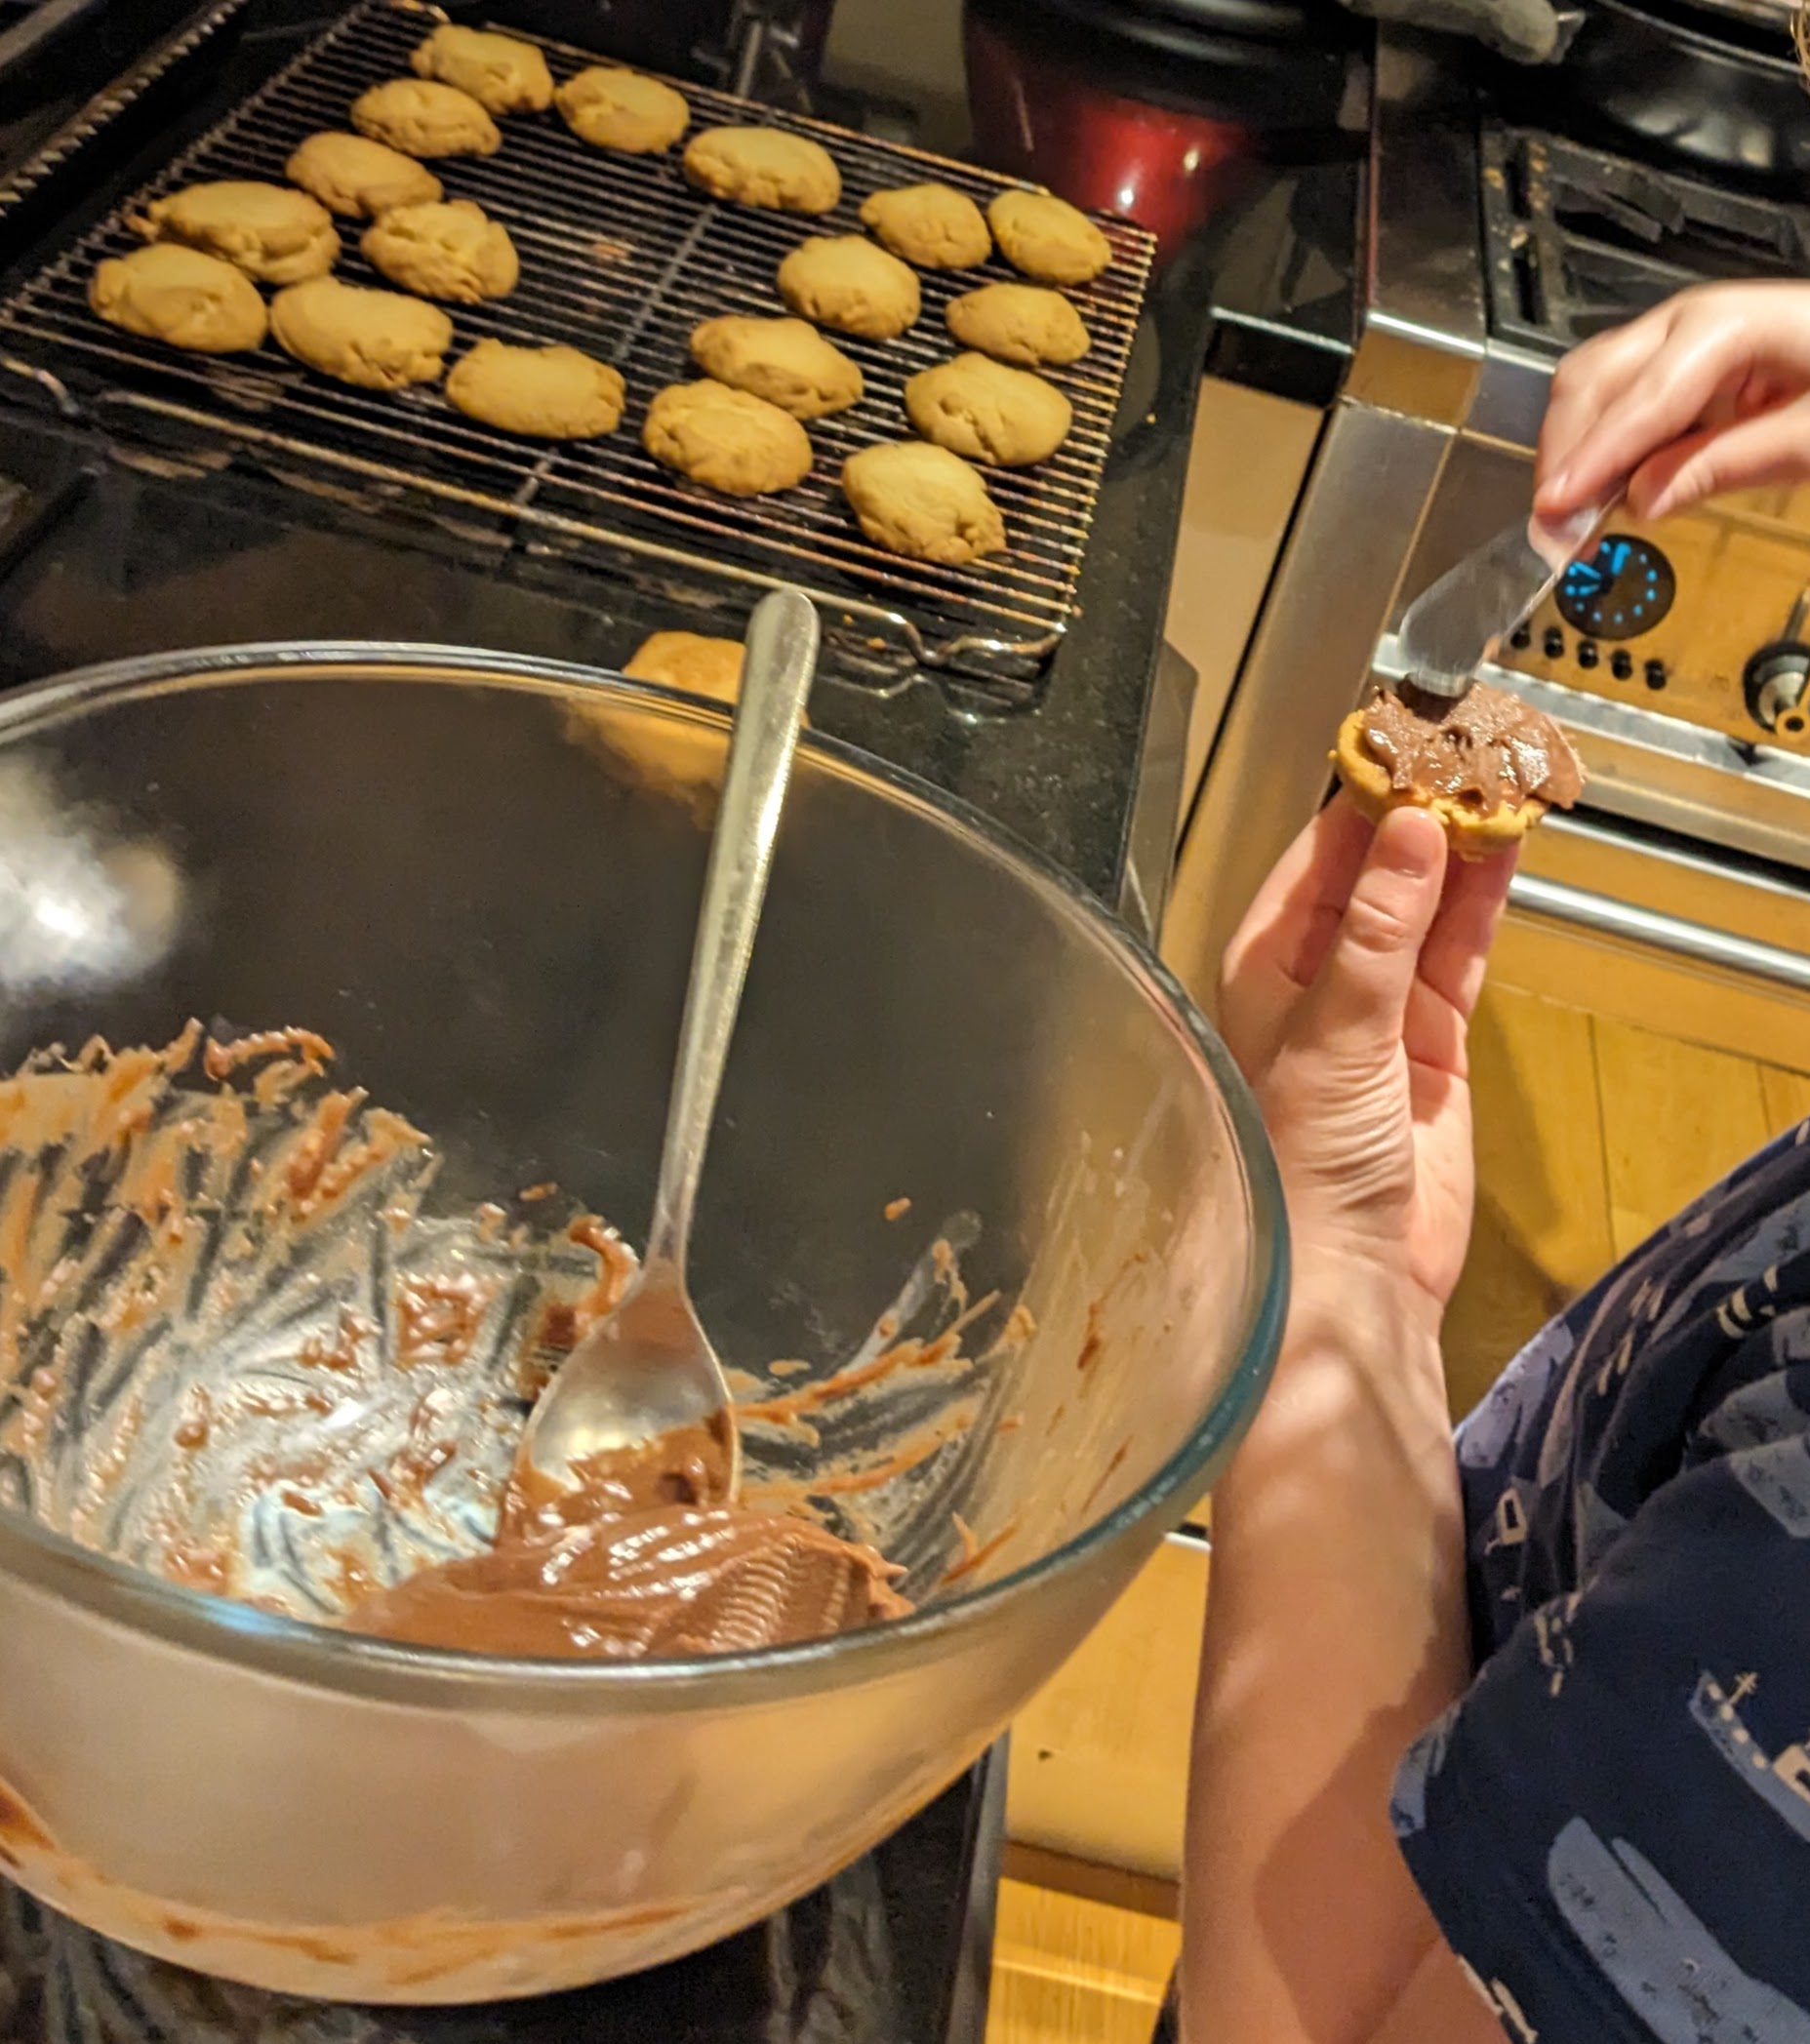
[1708,392]
[1346,998]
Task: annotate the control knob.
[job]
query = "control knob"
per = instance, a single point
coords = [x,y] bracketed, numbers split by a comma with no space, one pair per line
[1777,679]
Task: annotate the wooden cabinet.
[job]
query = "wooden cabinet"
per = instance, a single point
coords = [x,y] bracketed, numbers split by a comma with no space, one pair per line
[1099,1758]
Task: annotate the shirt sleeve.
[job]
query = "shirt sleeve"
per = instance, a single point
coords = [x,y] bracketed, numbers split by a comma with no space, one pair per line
[1613,1826]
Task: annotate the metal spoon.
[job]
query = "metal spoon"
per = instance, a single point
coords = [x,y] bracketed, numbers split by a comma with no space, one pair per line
[648,1371]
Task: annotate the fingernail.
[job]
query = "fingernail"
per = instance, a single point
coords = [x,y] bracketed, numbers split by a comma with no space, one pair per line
[1554,490]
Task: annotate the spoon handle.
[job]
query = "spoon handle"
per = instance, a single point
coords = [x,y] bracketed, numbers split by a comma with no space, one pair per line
[777,670]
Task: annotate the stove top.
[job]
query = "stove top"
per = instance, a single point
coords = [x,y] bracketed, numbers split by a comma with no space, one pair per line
[893,1951]
[1579,239]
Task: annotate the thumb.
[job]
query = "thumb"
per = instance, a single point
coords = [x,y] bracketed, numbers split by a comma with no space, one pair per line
[1360,1001]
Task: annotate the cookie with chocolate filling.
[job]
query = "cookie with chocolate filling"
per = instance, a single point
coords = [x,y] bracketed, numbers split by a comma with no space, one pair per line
[1488,765]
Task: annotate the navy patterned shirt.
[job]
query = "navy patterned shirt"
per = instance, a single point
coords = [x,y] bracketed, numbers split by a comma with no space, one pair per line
[1613,1824]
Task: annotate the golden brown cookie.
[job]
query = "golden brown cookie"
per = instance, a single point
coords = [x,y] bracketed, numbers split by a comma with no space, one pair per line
[728,440]
[1021,323]
[693,662]
[1047,238]
[179,295]
[984,412]
[501,72]
[358,177]
[612,107]
[844,281]
[450,249]
[378,339]
[688,659]
[764,167]
[1487,765]
[422,117]
[272,234]
[924,501]
[785,361]
[548,394]
[933,225]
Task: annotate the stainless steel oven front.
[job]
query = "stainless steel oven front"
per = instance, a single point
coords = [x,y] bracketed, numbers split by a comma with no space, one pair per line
[1678,657]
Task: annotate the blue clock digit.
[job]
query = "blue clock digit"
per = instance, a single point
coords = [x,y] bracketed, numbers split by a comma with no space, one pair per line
[1624,588]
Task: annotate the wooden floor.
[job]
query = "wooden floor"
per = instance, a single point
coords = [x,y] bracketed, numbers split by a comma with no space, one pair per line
[1071,1969]
[1589,1133]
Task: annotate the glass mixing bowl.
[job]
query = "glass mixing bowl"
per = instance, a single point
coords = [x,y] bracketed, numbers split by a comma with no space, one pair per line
[477,878]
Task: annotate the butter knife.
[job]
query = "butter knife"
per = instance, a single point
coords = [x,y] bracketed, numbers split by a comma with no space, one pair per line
[1454,626]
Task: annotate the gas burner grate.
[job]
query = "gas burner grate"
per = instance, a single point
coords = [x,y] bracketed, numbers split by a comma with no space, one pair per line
[1580,241]
[622,257]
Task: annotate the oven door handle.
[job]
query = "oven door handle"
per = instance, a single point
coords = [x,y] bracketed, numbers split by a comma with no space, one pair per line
[1697,942]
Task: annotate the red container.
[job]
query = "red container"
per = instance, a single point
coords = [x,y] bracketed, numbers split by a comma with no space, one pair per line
[1128,110]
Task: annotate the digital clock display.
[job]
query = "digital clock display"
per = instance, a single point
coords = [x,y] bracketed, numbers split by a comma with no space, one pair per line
[1623,589]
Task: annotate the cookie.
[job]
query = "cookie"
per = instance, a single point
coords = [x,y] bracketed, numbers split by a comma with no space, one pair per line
[378,339]
[502,73]
[688,659]
[924,501]
[272,234]
[547,393]
[693,662]
[356,177]
[179,295]
[1047,238]
[726,439]
[984,412]
[1020,323]
[1487,765]
[614,108]
[764,167]
[450,249]
[932,225]
[785,361]
[844,281]
[422,117]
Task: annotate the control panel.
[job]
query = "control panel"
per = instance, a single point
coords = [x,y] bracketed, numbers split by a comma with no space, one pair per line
[1705,618]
